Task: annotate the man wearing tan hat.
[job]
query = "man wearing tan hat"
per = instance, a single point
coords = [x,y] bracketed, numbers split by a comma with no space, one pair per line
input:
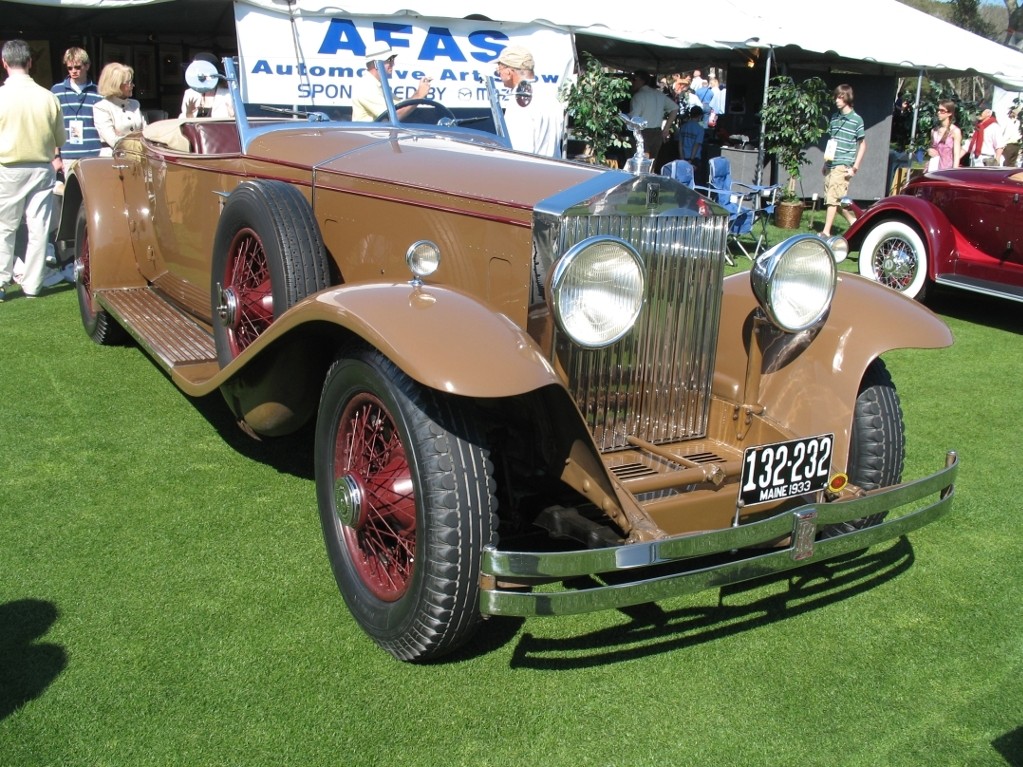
[535,118]
[368,97]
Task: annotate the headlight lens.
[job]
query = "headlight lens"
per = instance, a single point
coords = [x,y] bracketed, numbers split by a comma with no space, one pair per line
[597,291]
[795,282]
[840,247]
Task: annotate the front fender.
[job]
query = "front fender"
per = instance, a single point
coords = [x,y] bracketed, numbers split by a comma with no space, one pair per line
[930,221]
[442,338]
[97,182]
[809,381]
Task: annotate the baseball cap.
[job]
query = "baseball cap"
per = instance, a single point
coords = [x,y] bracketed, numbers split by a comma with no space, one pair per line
[516,57]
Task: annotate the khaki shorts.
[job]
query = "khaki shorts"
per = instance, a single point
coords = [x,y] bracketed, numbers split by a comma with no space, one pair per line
[836,184]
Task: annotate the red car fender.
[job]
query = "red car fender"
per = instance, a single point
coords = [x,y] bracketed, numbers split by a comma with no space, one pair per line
[933,225]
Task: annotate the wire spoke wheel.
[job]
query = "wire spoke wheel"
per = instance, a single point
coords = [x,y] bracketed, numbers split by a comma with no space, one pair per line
[382,539]
[248,287]
[893,254]
[406,498]
[267,256]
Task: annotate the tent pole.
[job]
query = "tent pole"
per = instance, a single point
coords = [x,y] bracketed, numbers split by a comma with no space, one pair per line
[760,148]
[916,110]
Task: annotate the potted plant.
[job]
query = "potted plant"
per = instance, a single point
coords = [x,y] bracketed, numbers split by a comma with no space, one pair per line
[795,116]
[594,102]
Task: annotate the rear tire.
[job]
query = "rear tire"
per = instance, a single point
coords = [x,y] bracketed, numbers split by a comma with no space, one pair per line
[98,324]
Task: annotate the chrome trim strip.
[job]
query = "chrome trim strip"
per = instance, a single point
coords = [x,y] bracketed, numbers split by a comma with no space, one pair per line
[499,565]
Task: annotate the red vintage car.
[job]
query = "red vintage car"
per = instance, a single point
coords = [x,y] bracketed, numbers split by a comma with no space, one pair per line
[962,228]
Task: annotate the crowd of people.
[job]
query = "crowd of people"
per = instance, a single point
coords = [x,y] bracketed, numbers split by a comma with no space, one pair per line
[43,133]
[992,142]
[681,113]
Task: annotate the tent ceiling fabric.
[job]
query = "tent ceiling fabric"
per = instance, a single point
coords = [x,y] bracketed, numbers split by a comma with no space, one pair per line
[69,18]
[882,36]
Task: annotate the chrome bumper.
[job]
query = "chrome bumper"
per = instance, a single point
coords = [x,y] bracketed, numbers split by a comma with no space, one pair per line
[798,525]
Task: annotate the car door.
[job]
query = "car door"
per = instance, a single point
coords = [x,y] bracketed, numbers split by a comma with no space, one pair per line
[987,215]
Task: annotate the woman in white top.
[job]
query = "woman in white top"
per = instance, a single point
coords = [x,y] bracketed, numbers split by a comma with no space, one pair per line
[217,104]
[117,114]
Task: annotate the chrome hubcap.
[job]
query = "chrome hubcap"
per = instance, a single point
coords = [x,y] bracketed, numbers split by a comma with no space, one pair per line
[227,306]
[348,500]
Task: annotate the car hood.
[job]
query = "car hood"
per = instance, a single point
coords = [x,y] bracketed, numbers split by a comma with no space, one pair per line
[464,165]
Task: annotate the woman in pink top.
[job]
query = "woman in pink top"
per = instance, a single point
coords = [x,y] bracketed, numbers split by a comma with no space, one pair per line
[946,139]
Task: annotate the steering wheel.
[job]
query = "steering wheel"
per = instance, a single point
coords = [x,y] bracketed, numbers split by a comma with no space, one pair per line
[442,110]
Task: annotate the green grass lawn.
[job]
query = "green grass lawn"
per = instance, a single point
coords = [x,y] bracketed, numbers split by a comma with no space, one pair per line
[165,600]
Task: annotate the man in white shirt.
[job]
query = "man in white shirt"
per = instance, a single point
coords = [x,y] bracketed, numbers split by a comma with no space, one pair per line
[534,116]
[655,108]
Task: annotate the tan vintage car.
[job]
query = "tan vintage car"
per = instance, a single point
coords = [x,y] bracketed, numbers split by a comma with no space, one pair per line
[522,371]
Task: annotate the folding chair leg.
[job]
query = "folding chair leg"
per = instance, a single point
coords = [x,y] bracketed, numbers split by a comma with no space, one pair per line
[738,243]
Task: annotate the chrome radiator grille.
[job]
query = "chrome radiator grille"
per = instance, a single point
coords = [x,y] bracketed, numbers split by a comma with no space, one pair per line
[655,383]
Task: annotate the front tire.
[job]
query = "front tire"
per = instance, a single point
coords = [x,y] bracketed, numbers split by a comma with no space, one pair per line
[877,445]
[405,492]
[98,324]
[268,255]
[894,255]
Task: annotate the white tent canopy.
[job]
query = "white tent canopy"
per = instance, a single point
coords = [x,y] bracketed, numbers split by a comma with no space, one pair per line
[884,36]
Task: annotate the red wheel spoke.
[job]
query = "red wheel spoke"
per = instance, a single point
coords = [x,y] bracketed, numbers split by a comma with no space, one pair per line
[248,277]
[382,541]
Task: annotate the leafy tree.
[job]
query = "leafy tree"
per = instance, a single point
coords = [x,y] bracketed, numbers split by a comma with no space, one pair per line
[966,14]
[594,103]
[795,117]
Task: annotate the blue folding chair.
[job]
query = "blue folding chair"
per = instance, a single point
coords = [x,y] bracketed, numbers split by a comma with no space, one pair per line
[682,171]
[747,205]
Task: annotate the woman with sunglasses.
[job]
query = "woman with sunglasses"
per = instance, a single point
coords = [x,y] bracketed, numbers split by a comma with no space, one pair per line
[946,139]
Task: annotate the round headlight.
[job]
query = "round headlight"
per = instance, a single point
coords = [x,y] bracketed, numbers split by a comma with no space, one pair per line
[840,247]
[597,291]
[423,258]
[795,282]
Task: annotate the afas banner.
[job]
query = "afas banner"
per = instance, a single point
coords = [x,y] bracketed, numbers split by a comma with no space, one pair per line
[316,61]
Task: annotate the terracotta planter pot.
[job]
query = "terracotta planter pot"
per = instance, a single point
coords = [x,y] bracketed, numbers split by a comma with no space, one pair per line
[787,215]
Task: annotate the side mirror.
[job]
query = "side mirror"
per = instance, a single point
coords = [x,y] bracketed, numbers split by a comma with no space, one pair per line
[202,76]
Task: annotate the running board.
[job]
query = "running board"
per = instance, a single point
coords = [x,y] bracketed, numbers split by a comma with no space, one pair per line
[180,345]
[984,287]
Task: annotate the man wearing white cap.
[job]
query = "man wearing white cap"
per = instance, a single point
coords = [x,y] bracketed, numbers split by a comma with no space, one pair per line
[368,96]
[535,118]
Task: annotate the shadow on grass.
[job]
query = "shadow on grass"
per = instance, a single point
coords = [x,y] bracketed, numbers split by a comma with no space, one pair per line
[27,668]
[1010,746]
[988,311]
[654,630]
[291,454]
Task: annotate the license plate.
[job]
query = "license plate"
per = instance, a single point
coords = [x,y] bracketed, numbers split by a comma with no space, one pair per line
[785,469]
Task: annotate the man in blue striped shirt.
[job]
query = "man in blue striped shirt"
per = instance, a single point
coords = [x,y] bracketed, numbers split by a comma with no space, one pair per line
[77,95]
[843,155]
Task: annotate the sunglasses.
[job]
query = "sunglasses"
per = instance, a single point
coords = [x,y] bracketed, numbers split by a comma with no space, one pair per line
[942,111]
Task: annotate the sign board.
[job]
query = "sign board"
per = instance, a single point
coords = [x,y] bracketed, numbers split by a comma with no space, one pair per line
[317,60]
